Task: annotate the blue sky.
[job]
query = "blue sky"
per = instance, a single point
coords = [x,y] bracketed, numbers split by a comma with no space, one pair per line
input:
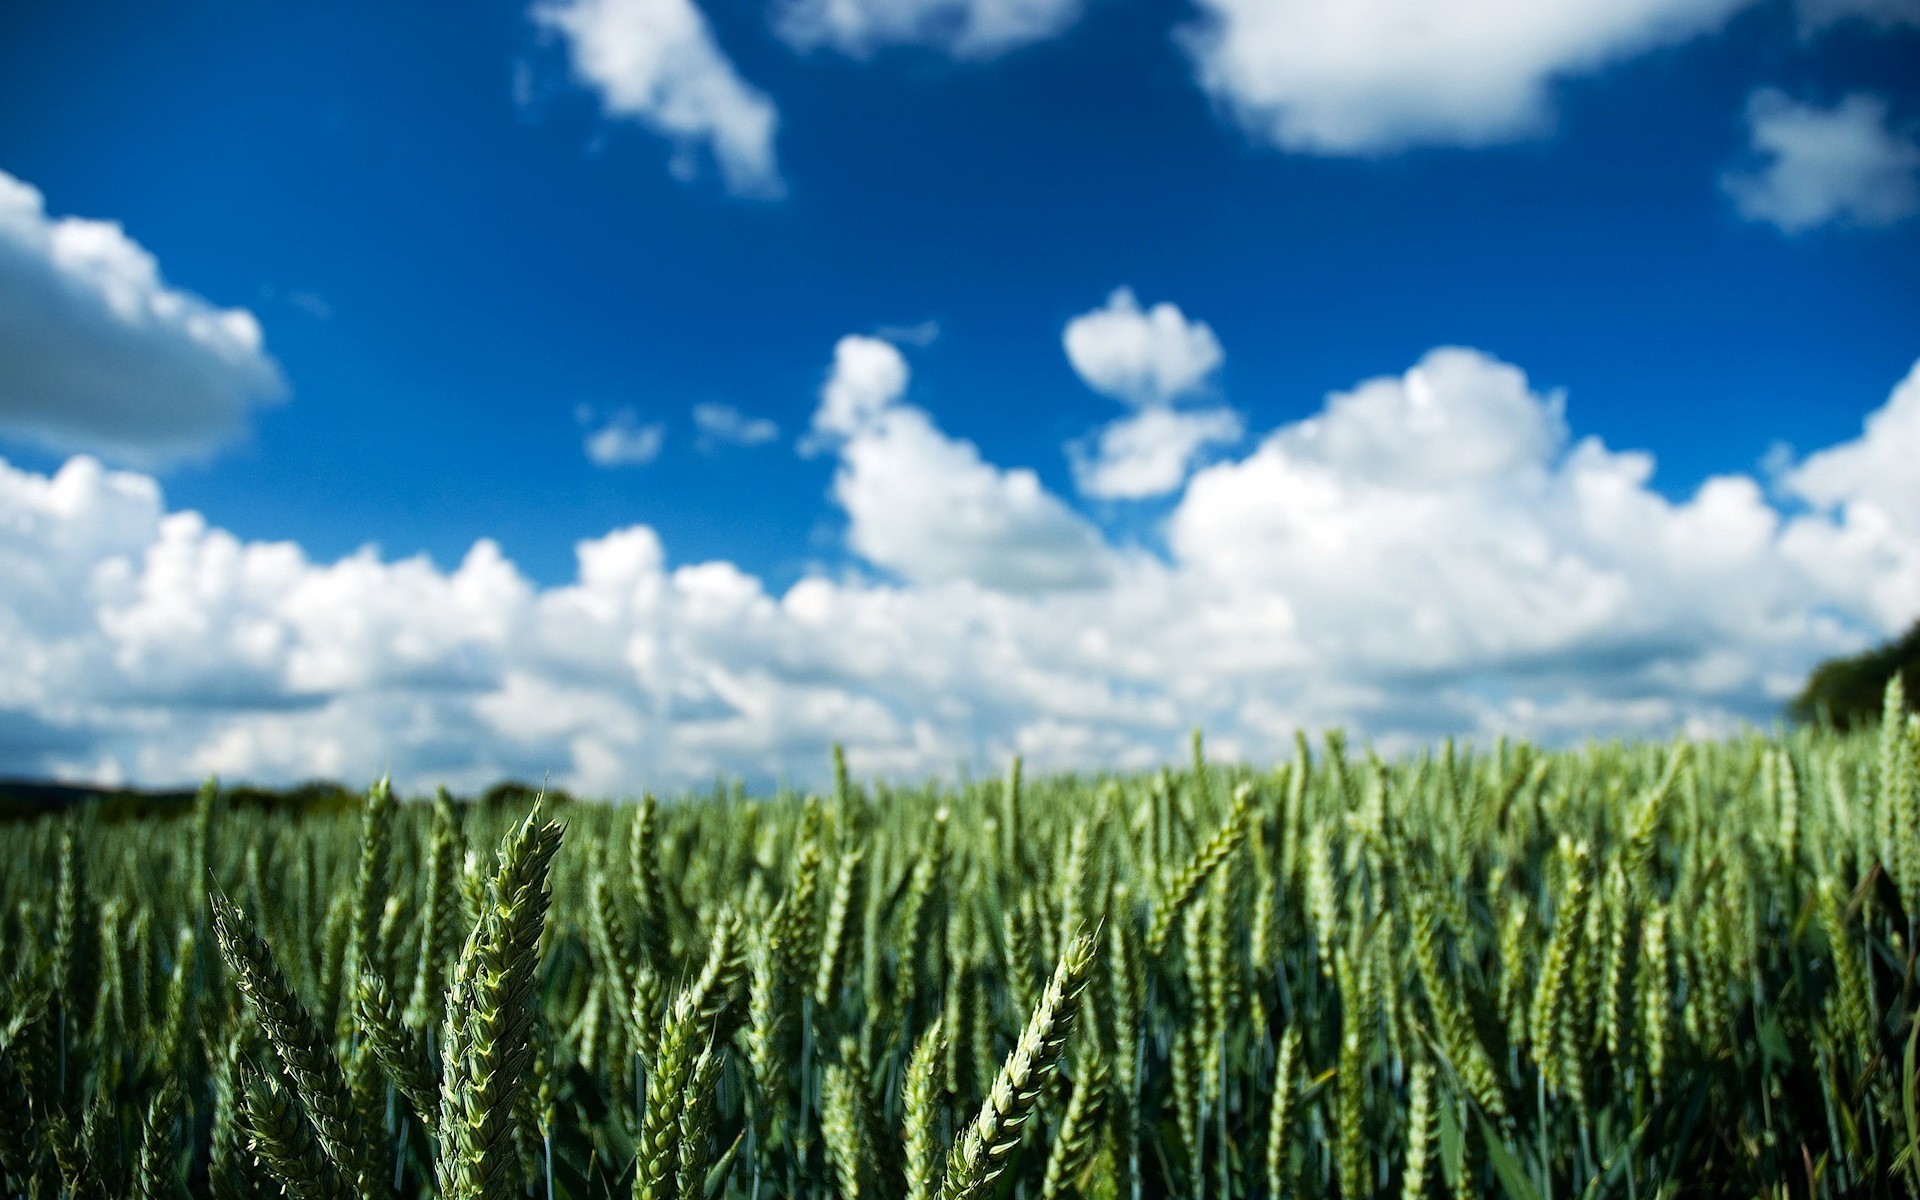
[464,260]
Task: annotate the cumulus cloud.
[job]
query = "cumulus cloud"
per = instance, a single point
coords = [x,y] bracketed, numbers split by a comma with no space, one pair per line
[1140,356]
[1432,552]
[964,29]
[656,62]
[1149,359]
[97,352]
[868,376]
[1876,468]
[723,424]
[926,505]
[1438,523]
[1372,76]
[1841,165]
[1866,539]
[1149,453]
[625,441]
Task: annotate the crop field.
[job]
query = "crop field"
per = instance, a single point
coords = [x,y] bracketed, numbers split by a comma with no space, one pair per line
[1627,970]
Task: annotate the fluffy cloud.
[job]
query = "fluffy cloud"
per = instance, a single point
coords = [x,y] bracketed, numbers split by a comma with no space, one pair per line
[1369,76]
[869,375]
[925,504]
[1876,468]
[1148,359]
[723,424]
[1865,542]
[624,441]
[1823,166]
[966,29]
[1437,524]
[1149,453]
[1432,552]
[98,353]
[656,62]
[1142,357]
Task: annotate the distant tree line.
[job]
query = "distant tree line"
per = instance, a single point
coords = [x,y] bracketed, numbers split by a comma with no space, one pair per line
[22,799]
[1847,692]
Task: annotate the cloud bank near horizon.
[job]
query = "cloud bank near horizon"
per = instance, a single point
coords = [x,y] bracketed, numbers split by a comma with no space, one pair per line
[1433,552]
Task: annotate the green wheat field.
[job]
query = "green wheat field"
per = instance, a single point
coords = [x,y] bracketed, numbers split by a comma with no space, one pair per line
[1627,971]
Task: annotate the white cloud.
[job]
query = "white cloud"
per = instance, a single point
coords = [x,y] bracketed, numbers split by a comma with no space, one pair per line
[1150,359]
[1865,538]
[1370,76]
[1823,166]
[1457,416]
[1149,453]
[925,505]
[1433,552]
[921,333]
[1438,523]
[624,441]
[868,376]
[723,424]
[964,29]
[97,352]
[656,62]
[1876,468]
[1141,357]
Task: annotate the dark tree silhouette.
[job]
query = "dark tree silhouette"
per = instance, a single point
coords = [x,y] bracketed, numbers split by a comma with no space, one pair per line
[1847,691]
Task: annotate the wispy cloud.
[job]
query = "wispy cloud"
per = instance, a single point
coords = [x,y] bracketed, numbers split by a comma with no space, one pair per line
[1824,166]
[311,303]
[656,62]
[725,425]
[623,440]
[962,29]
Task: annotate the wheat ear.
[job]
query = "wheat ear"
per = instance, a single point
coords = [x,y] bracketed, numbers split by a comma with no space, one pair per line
[980,1154]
